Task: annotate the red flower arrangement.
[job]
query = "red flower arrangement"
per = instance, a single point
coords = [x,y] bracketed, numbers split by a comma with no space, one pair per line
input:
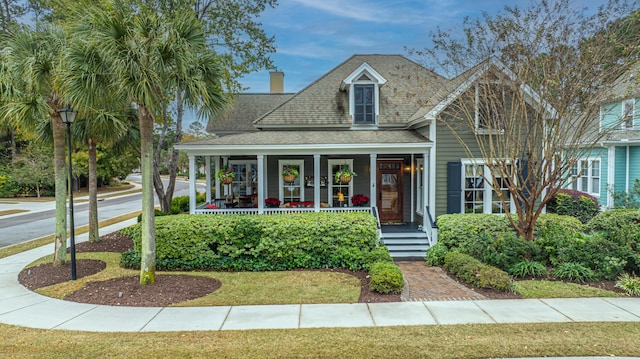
[359,200]
[272,202]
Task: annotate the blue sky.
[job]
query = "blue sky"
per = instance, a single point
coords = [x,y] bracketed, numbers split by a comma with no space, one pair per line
[314,36]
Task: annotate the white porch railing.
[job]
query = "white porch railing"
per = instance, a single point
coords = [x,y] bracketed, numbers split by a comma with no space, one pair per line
[268,211]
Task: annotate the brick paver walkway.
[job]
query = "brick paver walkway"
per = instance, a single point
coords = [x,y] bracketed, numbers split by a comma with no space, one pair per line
[423,282]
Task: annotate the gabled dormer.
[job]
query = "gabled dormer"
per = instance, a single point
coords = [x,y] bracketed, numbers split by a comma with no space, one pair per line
[363,86]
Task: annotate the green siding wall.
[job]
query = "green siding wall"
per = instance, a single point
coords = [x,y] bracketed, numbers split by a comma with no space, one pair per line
[448,149]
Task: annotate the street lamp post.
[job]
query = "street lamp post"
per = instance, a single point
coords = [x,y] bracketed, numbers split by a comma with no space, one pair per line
[68,115]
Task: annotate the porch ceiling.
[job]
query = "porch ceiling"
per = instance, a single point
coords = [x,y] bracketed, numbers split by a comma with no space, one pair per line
[311,142]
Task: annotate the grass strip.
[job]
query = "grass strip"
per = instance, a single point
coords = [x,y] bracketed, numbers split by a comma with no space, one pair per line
[438,341]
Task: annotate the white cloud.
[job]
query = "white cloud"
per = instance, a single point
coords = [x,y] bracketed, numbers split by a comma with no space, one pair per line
[390,12]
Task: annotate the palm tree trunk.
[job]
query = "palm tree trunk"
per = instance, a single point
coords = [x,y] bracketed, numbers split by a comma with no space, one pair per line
[60,170]
[148,247]
[94,234]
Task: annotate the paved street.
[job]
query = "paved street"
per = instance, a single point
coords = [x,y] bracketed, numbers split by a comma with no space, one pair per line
[39,220]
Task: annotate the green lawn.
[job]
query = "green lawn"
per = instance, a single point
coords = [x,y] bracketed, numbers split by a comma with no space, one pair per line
[437,341]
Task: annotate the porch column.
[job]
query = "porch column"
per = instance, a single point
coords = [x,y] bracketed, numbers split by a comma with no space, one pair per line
[207,166]
[216,159]
[316,182]
[373,170]
[192,184]
[225,162]
[429,182]
[260,182]
[413,188]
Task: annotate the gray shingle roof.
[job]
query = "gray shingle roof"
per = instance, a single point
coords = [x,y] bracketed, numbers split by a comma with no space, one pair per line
[322,104]
[314,138]
[243,110]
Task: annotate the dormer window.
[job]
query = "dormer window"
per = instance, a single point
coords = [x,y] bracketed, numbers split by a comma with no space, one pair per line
[363,87]
[364,104]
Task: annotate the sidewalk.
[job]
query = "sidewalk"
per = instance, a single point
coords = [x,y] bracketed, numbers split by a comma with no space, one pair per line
[19,306]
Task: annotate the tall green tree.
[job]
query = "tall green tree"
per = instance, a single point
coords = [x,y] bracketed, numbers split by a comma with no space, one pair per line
[233,31]
[30,78]
[141,49]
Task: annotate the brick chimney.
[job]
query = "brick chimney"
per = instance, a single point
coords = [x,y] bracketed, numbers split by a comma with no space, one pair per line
[276,82]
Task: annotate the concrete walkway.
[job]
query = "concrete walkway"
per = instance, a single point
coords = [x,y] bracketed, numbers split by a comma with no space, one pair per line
[19,306]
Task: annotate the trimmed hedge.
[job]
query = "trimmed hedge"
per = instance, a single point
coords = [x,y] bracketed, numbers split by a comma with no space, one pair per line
[618,225]
[386,278]
[257,243]
[472,271]
[580,205]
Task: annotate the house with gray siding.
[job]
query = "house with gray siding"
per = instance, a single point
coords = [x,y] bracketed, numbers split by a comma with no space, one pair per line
[379,116]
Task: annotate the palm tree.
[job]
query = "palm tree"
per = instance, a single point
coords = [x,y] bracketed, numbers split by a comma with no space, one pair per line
[30,77]
[144,51]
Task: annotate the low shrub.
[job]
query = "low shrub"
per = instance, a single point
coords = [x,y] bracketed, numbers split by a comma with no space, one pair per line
[386,278]
[618,225]
[156,213]
[574,272]
[500,250]
[492,277]
[580,205]
[606,258]
[456,230]
[435,254]
[180,204]
[628,283]
[472,271]
[277,242]
[528,268]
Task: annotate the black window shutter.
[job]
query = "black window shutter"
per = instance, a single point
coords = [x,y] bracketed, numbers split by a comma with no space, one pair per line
[454,187]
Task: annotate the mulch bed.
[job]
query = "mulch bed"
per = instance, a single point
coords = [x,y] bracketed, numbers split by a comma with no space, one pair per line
[127,291]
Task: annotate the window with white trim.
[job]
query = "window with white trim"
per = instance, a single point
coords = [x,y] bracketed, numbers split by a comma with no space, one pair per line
[245,182]
[585,176]
[479,196]
[364,100]
[339,193]
[291,191]
[363,87]
[628,113]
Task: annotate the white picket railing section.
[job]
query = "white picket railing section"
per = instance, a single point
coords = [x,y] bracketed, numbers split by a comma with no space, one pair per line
[269,211]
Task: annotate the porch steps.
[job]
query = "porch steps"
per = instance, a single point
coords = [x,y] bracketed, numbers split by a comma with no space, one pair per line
[406,245]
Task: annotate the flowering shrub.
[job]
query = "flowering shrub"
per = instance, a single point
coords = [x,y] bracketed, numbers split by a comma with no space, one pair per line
[289,170]
[272,202]
[359,200]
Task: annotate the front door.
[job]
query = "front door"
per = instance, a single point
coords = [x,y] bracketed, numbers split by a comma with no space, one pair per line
[390,190]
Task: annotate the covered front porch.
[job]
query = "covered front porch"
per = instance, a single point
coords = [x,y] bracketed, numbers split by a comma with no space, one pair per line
[392,167]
